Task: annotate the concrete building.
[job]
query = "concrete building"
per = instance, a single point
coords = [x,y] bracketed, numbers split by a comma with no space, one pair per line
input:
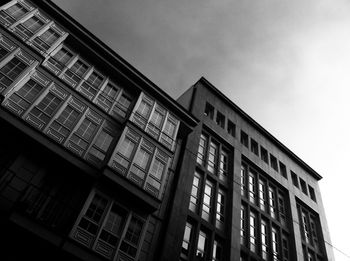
[242,195]
[98,163]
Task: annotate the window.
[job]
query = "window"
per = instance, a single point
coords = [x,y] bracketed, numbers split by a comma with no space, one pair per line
[207,200]
[303,186]
[262,195]
[202,244]
[294,179]
[220,119]
[275,244]
[3,52]
[29,27]
[273,162]
[223,165]
[186,239]
[243,223]
[252,232]
[91,86]
[285,247]
[212,157]
[10,72]
[108,96]
[282,209]
[264,239]
[60,59]
[272,201]
[75,74]
[202,149]
[46,40]
[13,13]
[220,210]
[244,139]
[264,155]
[283,170]
[143,112]
[217,251]
[122,106]
[101,144]
[312,193]
[195,192]
[254,147]
[252,187]
[141,161]
[243,180]
[231,128]
[167,137]
[108,228]
[25,95]
[209,110]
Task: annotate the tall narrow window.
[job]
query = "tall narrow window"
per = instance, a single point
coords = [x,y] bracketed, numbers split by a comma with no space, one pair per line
[201,149]
[264,155]
[283,170]
[275,244]
[207,200]
[303,186]
[156,122]
[220,119]
[141,162]
[46,40]
[254,147]
[169,131]
[217,251]
[223,165]
[312,193]
[243,225]
[202,244]
[186,239]
[264,240]
[231,128]
[156,172]
[82,137]
[262,195]
[195,192]
[285,247]
[107,97]
[243,181]
[26,95]
[212,157]
[10,72]
[209,110]
[272,202]
[252,187]
[252,232]
[244,139]
[143,111]
[294,179]
[273,162]
[132,237]
[65,121]
[125,151]
[122,106]
[101,145]
[220,210]
[281,209]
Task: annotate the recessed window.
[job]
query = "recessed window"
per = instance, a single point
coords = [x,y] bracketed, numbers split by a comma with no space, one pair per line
[220,119]
[264,155]
[273,162]
[294,179]
[283,170]
[254,147]
[312,193]
[244,138]
[209,110]
[231,128]
[303,186]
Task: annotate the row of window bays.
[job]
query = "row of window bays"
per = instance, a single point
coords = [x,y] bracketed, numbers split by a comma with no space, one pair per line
[61,114]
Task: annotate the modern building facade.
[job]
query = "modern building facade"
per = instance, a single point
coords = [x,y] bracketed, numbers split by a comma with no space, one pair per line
[98,163]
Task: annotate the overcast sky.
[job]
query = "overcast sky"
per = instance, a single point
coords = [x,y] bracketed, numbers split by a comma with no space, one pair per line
[286,63]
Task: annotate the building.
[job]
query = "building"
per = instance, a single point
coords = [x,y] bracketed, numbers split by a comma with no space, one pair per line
[90,146]
[242,195]
[98,163]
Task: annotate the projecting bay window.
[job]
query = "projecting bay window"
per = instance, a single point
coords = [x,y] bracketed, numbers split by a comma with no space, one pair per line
[220,210]
[140,161]
[59,60]
[195,193]
[29,27]
[11,71]
[46,40]
[207,200]
[157,121]
[13,13]
[76,72]
[109,229]
[91,85]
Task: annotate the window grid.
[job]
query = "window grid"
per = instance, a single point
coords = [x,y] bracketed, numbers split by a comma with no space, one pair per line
[10,71]
[46,40]
[13,13]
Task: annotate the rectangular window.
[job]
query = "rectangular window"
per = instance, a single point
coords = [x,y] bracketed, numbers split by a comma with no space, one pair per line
[264,240]
[282,209]
[29,27]
[223,165]
[209,110]
[168,135]
[143,112]
[254,147]
[83,136]
[141,162]
[252,187]
[202,149]
[272,202]
[25,95]
[312,193]
[294,179]
[60,59]
[243,181]
[212,157]
[243,232]
[220,119]
[122,106]
[275,244]
[186,239]
[108,96]
[273,162]
[46,40]
[155,124]
[252,232]
[285,247]
[303,186]
[244,139]
[132,237]
[10,72]
[202,245]
[220,210]
[231,128]
[91,86]
[262,195]
[207,200]
[195,193]
[217,251]
[283,170]
[101,145]
[13,13]
[65,122]
[75,74]
[264,155]
[3,53]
